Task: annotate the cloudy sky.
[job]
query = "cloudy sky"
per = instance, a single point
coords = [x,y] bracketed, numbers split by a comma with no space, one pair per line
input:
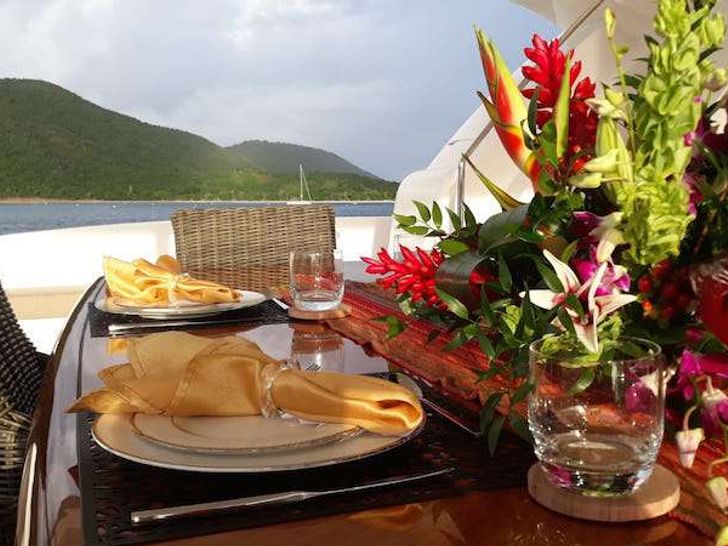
[383,83]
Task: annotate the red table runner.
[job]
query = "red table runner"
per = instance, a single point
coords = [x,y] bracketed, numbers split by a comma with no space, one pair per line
[456,373]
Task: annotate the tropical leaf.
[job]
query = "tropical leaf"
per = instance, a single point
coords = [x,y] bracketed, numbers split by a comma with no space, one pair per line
[561,110]
[501,229]
[453,276]
[505,200]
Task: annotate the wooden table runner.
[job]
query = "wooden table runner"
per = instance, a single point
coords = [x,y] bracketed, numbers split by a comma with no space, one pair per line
[456,373]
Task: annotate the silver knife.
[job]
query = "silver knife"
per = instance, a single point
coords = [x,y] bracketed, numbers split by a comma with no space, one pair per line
[204,508]
[120,328]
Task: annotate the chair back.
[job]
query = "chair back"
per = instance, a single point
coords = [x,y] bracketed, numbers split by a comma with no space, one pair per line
[249,248]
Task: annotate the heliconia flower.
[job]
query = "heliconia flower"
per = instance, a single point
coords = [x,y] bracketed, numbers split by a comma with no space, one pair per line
[688,442]
[718,489]
[415,275]
[506,107]
[603,229]
[597,307]
[547,74]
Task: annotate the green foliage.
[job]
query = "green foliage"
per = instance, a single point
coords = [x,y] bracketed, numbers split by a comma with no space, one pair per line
[663,111]
[57,145]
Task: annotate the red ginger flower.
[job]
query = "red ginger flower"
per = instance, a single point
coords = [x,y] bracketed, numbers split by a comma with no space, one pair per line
[547,73]
[415,275]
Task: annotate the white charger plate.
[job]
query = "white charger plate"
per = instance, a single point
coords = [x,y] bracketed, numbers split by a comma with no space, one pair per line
[186,309]
[244,435]
[115,433]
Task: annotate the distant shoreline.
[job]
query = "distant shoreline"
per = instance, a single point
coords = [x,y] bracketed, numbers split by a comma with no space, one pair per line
[40,200]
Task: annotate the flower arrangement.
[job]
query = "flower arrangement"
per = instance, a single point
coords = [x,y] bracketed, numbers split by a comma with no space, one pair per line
[626,235]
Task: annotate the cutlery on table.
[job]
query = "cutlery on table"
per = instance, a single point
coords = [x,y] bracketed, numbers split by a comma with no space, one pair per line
[205,508]
[121,328]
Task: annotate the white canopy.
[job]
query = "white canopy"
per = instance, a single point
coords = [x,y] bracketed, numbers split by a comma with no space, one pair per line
[584,31]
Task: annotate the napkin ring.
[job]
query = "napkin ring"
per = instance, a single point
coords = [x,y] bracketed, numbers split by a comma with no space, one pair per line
[268,376]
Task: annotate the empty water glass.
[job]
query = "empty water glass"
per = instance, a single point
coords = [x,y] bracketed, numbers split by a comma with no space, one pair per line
[317,280]
[597,426]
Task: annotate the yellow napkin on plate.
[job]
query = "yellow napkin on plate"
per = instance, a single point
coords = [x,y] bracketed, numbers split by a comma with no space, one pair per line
[175,373]
[146,284]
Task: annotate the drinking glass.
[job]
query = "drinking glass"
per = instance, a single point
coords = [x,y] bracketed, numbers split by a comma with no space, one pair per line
[597,426]
[317,280]
[317,349]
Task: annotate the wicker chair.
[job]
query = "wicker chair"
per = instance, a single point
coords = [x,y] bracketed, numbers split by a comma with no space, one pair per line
[249,248]
[21,370]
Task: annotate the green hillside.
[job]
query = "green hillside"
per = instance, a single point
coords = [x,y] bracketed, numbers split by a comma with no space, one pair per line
[55,144]
[284,158]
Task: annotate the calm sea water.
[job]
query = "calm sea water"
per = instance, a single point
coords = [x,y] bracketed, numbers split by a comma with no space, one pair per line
[16,218]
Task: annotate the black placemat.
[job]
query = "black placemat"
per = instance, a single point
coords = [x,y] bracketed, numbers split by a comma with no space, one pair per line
[112,488]
[267,312]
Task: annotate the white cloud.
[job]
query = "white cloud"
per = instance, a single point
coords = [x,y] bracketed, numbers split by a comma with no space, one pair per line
[383,83]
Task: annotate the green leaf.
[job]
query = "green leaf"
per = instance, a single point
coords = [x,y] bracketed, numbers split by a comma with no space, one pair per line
[436,214]
[485,308]
[548,275]
[573,302]
[416,230]
[566,320]
[494,433]
[394,325]
[453,304]
[423,211]
[504,275]
[500,228]
[454,220]
[485,344]
[561,110]
[488,411]
[532,109]
[585,379]
[458,341]
[520,426]
[505,200]
[470,220]
[405,220]
[453,247]
[521,393]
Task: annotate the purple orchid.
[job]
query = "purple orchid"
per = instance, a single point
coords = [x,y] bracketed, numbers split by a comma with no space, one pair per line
[601,230]
[693,365]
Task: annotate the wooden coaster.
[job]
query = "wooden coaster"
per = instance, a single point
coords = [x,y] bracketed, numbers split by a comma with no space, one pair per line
[657,496]
[340,312]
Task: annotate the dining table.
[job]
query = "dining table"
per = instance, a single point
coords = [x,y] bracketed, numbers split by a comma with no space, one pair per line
[63,503]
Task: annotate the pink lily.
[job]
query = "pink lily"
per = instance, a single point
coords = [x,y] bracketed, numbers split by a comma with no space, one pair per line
[506,107]
[597,307]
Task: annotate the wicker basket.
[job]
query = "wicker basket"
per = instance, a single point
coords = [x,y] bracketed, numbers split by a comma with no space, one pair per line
[249,248]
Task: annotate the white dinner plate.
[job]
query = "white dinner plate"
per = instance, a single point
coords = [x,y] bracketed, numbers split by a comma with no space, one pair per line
[186,309]
[245,435]
[115,433]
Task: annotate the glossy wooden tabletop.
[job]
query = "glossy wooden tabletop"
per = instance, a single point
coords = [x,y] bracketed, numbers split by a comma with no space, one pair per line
[50,504]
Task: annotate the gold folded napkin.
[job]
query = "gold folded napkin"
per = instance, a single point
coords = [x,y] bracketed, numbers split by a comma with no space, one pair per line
[146,284]
[175,373]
